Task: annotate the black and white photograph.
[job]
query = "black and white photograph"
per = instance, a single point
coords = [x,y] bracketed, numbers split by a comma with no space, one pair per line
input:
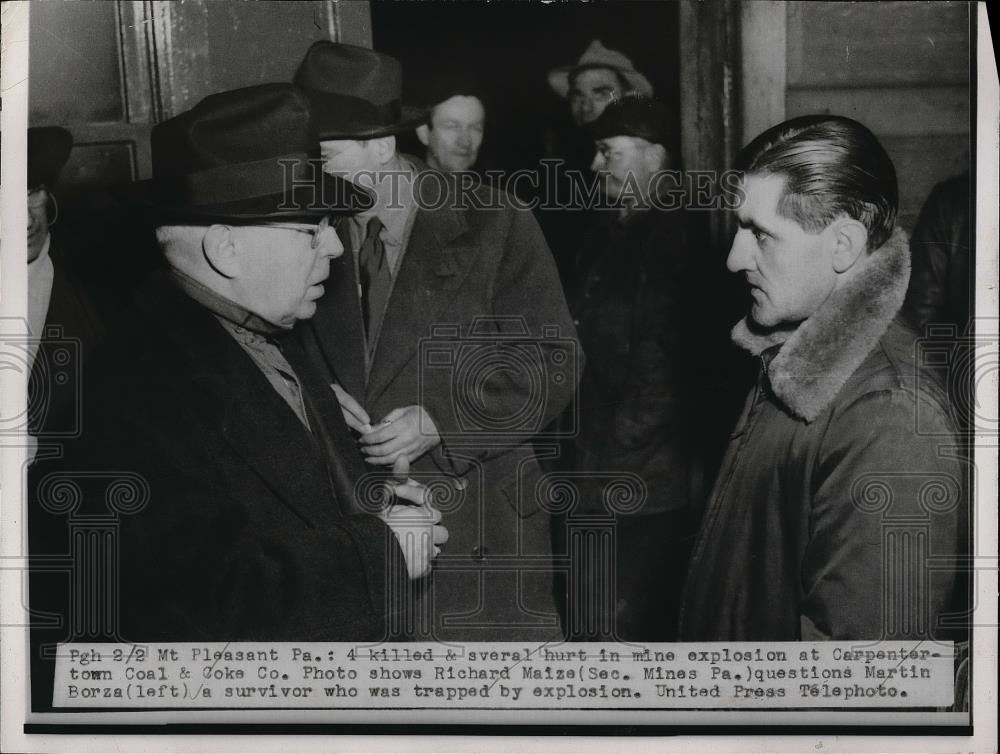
[533,373]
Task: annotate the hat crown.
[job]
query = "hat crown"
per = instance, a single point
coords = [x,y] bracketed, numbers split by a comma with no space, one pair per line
[235,127]
[353,71]
[597,54]
[48,149]
[639,116]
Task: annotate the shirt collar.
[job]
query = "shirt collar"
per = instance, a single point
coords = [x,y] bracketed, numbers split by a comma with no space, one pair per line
[222,306]
[394,215]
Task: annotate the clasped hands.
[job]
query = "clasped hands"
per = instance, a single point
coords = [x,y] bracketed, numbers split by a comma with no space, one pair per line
[397,440]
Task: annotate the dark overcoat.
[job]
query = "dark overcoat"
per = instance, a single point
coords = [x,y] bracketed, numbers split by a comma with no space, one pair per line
[477,331]
[225,521]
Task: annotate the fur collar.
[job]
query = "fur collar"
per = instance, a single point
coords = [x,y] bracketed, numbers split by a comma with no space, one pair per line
[816,358]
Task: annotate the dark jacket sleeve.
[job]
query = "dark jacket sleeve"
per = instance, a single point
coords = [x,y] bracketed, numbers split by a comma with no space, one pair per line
[203,559]
[653,394]
[884,500]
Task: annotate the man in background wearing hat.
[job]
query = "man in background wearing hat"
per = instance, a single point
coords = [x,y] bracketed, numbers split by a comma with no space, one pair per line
[455,124]
[600,76]
[62,316]
[448,338]
[628,299]
[206,437]
[597,79]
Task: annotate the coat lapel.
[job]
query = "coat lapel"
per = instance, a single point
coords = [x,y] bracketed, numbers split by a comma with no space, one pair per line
[335,334]
[343,459]
[432,268]
[252,418]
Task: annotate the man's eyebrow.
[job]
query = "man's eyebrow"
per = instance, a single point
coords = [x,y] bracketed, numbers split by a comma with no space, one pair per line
[751,225]
[604,88]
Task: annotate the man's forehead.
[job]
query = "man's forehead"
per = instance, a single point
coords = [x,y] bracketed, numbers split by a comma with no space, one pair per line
[337,146]
[617,142]
[761,193]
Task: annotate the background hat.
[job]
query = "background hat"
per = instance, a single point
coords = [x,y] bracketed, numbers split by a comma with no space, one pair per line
[435,87]
[243,155]
[633,116]
[599,56]
[355,92]
[48,150]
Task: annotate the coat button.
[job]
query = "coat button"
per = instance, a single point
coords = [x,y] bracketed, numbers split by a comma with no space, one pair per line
[479,552]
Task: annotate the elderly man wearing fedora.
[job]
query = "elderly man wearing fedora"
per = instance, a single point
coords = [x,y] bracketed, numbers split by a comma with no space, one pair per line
[632,300]
[449,342]
[206,438]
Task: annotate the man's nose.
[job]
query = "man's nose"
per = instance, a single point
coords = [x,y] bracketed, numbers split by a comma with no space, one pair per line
[464,140]
[597,163]
[330,244]
[741,252]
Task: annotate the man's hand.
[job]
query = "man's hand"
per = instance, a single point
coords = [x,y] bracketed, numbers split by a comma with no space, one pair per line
[354,414]
[407,432]
[415,526]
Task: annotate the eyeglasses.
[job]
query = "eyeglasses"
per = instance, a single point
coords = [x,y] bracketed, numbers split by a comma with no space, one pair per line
[315,230]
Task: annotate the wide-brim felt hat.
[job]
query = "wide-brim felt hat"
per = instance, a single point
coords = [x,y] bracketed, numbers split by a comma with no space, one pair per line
[632,115]
[246,155]
[356,93]
[48,151]
[599,56]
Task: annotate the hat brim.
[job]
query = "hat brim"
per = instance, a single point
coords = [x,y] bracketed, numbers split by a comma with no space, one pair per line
[336,197]
[559,79]
[345,128]
[334,119]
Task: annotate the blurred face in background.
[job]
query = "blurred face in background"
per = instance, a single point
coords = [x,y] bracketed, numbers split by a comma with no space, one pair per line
[591,90]
[625,165]
[38,221]
[455,133]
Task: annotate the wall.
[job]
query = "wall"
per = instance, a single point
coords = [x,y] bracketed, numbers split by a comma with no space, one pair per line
[110,70]
[901,68]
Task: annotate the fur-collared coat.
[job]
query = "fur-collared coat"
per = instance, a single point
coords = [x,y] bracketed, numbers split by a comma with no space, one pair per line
[838,512]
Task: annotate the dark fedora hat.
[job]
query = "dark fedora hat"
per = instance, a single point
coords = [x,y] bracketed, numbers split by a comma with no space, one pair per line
[48,150]
[245,155]
[633,115]
[356,93]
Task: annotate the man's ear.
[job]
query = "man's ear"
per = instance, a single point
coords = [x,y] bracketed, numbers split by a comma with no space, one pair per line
[385,148]
[655,156]
[850,240]
[221,250]
[424,134]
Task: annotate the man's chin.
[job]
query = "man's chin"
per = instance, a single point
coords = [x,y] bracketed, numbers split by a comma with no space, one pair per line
[763,318]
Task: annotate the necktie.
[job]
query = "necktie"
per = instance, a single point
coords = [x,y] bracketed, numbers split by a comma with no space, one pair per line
[374,276]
